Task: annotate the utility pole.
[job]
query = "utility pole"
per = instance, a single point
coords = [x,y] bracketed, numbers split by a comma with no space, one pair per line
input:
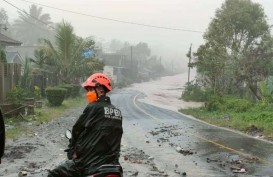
[172,66]
[132,71]
[131,57]
[189,70]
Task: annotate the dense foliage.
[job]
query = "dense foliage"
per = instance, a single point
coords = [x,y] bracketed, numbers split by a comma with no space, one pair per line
[3,57]
[235,66]
[238,50]
[32,25]
[65,57]
[194,92]
[16,94]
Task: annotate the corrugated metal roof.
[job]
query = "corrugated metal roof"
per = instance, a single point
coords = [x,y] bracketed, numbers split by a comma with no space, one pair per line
[7,41]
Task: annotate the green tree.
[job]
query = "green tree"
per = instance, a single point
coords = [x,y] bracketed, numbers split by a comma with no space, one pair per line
[4,22]
[3,58]
[142,50]
[210,65]
[115,45]
[3,16]
[25,81]
[32,25]
[226,61]
[66,55]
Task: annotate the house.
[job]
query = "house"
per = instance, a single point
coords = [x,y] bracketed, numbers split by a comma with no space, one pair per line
[10,73]
[7,41]
[117,74]
[14,57]
[117,67]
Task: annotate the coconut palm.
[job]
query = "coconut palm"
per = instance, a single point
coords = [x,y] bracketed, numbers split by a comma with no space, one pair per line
[66,55]
[32,25]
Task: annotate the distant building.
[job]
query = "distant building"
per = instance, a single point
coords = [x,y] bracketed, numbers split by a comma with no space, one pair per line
[24,51]
[7,41]
[116,66]
[114,59]
[14,57]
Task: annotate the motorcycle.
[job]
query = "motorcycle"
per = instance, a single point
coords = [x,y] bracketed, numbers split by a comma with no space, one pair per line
[107,170]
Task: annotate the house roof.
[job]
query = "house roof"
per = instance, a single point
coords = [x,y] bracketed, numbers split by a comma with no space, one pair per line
[14,57]
[6,41]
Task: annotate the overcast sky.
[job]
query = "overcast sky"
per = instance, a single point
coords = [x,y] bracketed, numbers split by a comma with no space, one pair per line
[192,15]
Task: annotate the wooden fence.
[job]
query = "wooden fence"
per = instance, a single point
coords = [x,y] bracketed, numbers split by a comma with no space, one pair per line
[10,74]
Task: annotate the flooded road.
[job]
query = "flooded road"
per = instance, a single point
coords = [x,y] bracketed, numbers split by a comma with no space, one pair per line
[156,142]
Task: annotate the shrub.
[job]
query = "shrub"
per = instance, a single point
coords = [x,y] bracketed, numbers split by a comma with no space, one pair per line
[17,93]
[227,103]
[193,92]
[3,57]
[238,105]
[68,88]
[215,103]
[55,95]
[37,93]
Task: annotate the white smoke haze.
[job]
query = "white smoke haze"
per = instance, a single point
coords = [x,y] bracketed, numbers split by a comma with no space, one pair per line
[171,45]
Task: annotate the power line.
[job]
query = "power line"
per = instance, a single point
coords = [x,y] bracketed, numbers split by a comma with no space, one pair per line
[28,15]
[115,20]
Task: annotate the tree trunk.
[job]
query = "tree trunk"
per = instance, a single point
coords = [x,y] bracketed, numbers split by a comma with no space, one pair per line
[254,90]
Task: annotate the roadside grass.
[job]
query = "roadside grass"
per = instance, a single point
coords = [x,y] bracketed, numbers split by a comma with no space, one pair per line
[254,121]
[48,113]
[44,114]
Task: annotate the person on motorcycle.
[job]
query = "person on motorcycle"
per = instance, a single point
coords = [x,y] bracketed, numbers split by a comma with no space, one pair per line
[2,135]
[96,136]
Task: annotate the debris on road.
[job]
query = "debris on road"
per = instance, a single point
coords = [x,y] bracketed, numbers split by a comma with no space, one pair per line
[211,160]
[131,173]
[241,170]
[134,155]
[22,173]
[233,162]
[254,131]
[183,151]
[180,173]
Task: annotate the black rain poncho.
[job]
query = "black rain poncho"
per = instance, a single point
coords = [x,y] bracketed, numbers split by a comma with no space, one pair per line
[96,139]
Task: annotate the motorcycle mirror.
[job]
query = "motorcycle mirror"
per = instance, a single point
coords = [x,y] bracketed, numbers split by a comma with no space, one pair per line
[68,134]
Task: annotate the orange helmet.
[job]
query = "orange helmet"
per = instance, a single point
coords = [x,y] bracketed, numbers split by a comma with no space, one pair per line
[98,79]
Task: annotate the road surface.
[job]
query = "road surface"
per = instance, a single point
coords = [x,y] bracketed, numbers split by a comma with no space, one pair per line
[156,142]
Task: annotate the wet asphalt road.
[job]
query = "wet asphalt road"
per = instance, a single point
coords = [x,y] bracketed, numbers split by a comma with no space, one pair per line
[151,137]
[215,150]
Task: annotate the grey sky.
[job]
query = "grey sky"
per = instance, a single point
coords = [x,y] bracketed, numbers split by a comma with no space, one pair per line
[171,45]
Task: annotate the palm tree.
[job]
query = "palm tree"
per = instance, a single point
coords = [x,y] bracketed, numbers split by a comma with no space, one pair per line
[66,55]
[32,25]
